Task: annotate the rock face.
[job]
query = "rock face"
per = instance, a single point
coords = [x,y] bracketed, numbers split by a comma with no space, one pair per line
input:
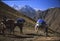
[29,11]
[53,19]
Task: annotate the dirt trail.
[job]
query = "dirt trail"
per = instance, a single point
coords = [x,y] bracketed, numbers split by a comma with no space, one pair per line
[29,35]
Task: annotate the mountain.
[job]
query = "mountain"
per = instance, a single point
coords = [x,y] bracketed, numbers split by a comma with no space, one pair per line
[38,14]
[29,11]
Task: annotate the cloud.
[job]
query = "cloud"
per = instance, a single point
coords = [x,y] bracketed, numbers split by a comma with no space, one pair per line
[37,9]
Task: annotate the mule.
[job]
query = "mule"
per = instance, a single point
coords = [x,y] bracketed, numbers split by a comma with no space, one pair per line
[10,25]
[43,27]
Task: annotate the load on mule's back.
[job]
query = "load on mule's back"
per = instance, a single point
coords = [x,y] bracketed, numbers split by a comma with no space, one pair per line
[20,20]
[41,24]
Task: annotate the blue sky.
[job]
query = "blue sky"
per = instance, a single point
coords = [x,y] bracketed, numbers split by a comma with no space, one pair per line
[36,4]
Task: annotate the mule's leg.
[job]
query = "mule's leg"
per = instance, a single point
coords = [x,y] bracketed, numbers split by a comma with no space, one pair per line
[21,29]
[3,30]
[13,30]
[36,29]
[46,30]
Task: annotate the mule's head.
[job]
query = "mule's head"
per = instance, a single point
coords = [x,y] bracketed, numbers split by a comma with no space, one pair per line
[37,25]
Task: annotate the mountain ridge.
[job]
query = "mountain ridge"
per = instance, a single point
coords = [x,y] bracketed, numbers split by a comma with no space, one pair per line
[29,11]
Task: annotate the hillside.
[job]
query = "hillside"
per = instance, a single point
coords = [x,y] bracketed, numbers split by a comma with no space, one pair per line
[53,18]
[12,13]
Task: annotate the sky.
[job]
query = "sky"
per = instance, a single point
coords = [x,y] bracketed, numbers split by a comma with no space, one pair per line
[36,4]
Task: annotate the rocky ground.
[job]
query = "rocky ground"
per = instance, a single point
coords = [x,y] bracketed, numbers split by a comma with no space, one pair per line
[28,38]
[29,35]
